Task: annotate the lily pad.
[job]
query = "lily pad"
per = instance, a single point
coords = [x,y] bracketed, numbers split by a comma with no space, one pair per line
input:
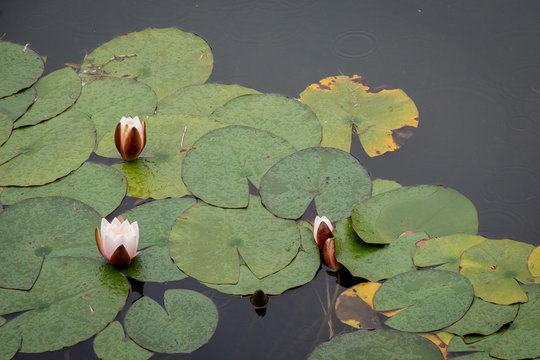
[56,92]
[99,186]
[40,154]
[107,100]
[187,322]
[483,318]
[335,179]
[354,309]
[166,59]
[482,345]
[6,125]
[430,299]
[534,262]
[377,345]
[373,261]
[445,251]
[201,100]
[275,113]
[154,264]
[17,104]
[494,268]
[433,209]
[20,67]
[206,242]
[28,236]
[299,272]
[11,342]
[382,185]
[219,165]
[522,339]
[384,119]
[112,344]
[73,299]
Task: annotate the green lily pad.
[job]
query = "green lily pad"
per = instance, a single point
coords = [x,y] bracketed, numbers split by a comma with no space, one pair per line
[11,342]
[380,186]
[73,299]
[17,104]
[373,261]
[107,100]
[335,179]
[187,322]
[40,154]
[384,120]
[6,125]
[433,209]
[56,92]
[201,100]
[445,251]
[99,186]
[430,299]
[483,318]
[533,263]
[275,113]
[299,272]
[481,345]
[219,165]
[28,236]
[522,339]
[20,67]
[206,242]
[494,268]
[377,345]
[112,344]
[166,59]
[154,264]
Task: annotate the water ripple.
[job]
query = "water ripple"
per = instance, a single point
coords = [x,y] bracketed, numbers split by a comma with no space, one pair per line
[355,44]
[516,184]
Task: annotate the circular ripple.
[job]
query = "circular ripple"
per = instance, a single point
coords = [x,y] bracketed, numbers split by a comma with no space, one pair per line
[498,223]
[520,122]
[355,44]
[512,185]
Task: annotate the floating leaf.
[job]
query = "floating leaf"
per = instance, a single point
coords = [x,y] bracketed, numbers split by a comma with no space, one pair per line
[522,339]
[55,93]
[373,261]
[445,251]
[6,125]
[220,163]
[166,59]
[99,186]
[73,299]
[534,262]
[154,264]
[335,179]
[11,342]
[187,322]
[201,99]
[384,119]
[17,104]
[112,344]
[481,346]
[107,100]
[28,236]
[433,209]
[494,268]
[299,272]
[354,306]
[43,153]
[205,242]
[20,67]
[377,345]
[275,113]
[432,299]
[382,185]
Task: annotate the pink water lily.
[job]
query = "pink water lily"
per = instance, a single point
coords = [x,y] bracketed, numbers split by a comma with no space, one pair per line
[130,137]
[118,240]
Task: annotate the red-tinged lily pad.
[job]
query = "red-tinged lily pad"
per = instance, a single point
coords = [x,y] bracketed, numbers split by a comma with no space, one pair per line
[384,119]
[495,268]
[534,262]
[112,344]
[20,67]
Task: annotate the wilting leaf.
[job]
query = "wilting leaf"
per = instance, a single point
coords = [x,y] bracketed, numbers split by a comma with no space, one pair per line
[112,344]
[55,93]
[17,104]
[275,113]
[433,209]
[73,299]
[354,307]
[5,127]
[166,59]
[20,67]
[201,100]
[384,120]
[380,186]
[494,268]
[219,165]
[187,322]
[335,179]
[377,345]
[432,299]
[205,242]
[534,262]
[40,154]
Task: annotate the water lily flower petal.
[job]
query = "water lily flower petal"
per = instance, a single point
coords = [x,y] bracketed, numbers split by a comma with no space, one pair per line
[329,254]
[130,137]
[118,240]
[322,230]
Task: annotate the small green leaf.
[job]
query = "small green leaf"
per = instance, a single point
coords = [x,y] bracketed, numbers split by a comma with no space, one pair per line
[154,264]
[382,185]
[20,67]
[17,104]
[112,344]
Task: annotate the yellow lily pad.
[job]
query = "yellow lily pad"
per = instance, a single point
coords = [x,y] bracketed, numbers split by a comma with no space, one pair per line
[534,262]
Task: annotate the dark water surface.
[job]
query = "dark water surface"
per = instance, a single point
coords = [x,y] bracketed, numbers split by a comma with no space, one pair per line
[472,68]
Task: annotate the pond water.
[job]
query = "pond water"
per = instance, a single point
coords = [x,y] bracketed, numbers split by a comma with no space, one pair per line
[473,70]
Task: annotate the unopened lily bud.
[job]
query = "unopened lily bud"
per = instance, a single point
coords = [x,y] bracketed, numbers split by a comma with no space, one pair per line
[322,230]
[130,137]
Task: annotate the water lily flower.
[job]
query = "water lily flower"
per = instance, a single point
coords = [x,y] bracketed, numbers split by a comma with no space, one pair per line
[329,254]
[118,240]
[322,230]
[130,137]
